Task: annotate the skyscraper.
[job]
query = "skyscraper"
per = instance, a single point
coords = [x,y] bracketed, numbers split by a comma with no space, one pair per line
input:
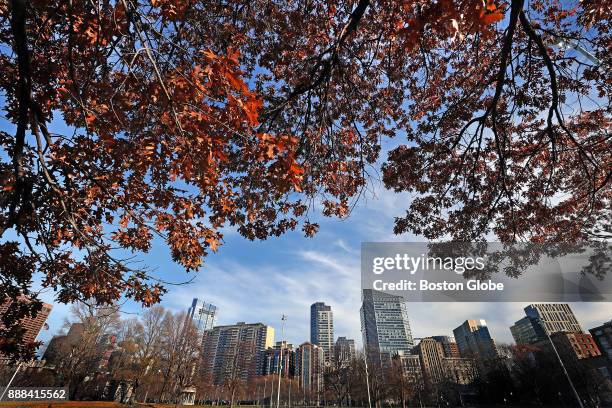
[556,317]
[544,318]
[235,351]
[202,314]
[322,328]
[309,364]
[474,340]
[384,323]
[32,325]
[527,331]
[431,354]
[344,351]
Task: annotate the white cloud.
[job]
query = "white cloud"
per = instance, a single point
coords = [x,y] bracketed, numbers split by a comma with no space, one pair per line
[263,292]
[260,284]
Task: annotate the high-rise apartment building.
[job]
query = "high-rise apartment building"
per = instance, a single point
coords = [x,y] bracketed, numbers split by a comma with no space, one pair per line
[544,318]
[272,357]
[32,325]
[202,314]
[474,340]
[344,351]
[602,335]
[384,323]
[438,368]
[431,354]
[571,347]
[309,366]
[556,317]
[449,346]
[527,331]
[322,328]
[234,351]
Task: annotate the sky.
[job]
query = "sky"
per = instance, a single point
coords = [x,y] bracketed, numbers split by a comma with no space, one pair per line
[259,281]
[262,280]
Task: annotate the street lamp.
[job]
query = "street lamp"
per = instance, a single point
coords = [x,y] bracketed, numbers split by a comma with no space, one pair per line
[280,360]
[365,349]
[565,43]
[45,327]
[10,381]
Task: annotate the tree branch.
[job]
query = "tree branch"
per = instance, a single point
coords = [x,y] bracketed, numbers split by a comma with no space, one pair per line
[24,88]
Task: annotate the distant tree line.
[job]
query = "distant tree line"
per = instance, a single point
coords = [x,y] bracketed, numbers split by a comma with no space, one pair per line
[156,356]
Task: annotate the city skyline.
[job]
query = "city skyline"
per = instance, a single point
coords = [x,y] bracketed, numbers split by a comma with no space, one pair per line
[258,281]
[242,351]
[298,324]
[261,280]
[306,204]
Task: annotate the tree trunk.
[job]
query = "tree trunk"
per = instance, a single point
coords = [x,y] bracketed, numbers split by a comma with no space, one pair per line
[232,398]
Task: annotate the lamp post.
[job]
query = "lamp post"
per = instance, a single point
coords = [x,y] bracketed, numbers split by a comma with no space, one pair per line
[10,381]
[45,327]
[578,400]
[280,360]
[365,348]
[565,43]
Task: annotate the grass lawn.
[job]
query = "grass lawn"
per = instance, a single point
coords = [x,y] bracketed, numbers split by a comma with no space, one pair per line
[63,404]
[80,404]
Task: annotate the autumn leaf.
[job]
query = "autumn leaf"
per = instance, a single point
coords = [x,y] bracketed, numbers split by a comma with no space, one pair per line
[494,17]
[90,118]
[213,243]
[124,221]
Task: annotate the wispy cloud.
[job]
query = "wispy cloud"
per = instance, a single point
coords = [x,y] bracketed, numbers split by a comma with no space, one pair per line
[264,291]
[258,282]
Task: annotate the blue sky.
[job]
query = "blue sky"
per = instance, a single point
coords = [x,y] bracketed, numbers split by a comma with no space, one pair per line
[259,281]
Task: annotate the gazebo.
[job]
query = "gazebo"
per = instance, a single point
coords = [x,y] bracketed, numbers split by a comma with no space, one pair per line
[188,395]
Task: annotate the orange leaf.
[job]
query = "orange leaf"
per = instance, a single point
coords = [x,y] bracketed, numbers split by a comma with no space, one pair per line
[252,111]
[213,243]
[123,222]
[90,118]
[492,17]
